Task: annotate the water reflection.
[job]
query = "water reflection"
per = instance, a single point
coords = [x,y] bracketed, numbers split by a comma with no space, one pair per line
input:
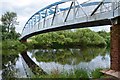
[70,59]
[42,61]
[12,65]
[34,67]
[8,65]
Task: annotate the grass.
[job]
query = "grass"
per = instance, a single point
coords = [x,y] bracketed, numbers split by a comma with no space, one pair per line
[96,73]
[77,73]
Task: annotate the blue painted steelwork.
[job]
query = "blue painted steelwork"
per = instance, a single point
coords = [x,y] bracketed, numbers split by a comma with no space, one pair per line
[87,14]
[61,9]
[56,3]
[49,14]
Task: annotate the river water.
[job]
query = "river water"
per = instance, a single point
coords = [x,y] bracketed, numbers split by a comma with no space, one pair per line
[22,65]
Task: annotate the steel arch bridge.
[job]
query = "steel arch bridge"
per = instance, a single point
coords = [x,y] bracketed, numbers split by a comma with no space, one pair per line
[69,14]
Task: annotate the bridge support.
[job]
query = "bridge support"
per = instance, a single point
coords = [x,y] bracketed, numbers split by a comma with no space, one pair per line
[114,52]
[23,41]
[115,47]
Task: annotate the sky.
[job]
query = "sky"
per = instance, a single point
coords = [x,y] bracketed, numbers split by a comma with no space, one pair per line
[26,8]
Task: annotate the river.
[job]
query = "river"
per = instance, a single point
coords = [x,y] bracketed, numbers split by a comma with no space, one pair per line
[23,65]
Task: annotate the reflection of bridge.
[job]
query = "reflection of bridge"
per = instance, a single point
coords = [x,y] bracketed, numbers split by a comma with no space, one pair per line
[32,65]
[69,14]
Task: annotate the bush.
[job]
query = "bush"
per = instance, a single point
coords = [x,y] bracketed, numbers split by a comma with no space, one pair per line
[79,37]
[13,44]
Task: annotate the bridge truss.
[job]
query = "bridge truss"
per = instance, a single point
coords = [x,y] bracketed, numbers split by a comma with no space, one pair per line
[69,14]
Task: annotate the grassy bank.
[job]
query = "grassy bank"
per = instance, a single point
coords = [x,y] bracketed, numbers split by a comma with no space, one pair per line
[77,73]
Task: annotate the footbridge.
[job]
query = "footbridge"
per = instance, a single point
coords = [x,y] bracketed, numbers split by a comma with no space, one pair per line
[69,14]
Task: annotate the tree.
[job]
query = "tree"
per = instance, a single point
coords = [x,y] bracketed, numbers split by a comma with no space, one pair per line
[3,28]
[9,20]
[106,36]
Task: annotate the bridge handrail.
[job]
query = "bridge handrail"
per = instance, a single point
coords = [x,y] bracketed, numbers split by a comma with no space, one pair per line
[56,3]
[107,8]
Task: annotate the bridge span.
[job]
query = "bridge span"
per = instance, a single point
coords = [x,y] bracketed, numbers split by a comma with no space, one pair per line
[69,14]
[74,15]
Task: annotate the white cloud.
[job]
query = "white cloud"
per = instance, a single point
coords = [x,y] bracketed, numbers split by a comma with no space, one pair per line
[22,20]
[18,3]
[99,28]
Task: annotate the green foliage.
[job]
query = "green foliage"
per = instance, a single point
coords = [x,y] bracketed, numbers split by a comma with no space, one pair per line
[88,37]
[80,73]
[13,44]
[8,34]
[76,73]
[106,36]
[79,37]
[66,56]
[9,20]
[7,27]
[96,73]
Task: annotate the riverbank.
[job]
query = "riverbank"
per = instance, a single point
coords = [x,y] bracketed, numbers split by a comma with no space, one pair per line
[77,73]
[69,38]
[11,44]
[72,74]
[61,39]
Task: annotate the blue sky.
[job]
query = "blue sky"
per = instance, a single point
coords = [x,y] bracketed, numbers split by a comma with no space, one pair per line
[26,8]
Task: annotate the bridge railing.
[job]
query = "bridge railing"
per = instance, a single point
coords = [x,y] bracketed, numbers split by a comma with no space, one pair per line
[70,15]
